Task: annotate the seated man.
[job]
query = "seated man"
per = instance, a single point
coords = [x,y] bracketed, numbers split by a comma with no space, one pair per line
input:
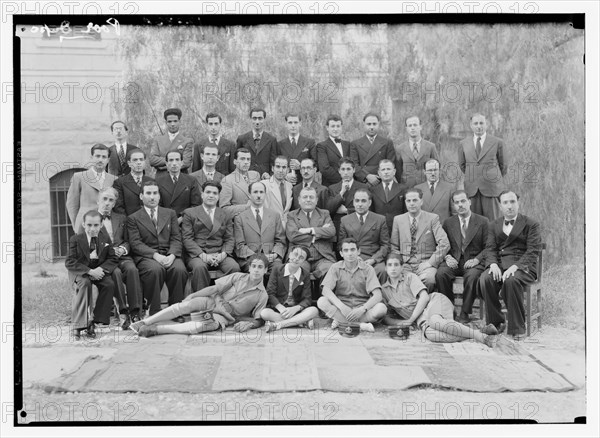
[208,238]
[406,298]
[235,297]
[357,296]
[91,260]
[290,294]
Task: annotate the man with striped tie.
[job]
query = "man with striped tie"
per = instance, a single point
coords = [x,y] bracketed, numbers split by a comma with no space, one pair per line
[118,152]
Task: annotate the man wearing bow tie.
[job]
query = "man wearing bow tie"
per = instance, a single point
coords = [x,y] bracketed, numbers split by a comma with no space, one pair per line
[172,140]
[296,147]
[330,151]
[261,144]
[511,256]
[208,172]
[224,164]
[118,152]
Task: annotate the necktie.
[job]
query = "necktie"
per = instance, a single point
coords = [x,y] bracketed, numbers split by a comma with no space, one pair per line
[153,217]
[361,218]
[93,244]
[293,142]
[415,151]
[346,187]
[246,178]
[138,180]
[213,140]
[478,147]
[308,216]
[256,141]
[282,191]
[510,222]
[413,235]
[306,185]
[371,139]
[432,188]
[386,191]
[209,176]
[463,228]
[122,154]
[258,218]
[174,180]
[210,215]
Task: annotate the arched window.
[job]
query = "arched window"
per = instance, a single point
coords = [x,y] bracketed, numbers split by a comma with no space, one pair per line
[60,224]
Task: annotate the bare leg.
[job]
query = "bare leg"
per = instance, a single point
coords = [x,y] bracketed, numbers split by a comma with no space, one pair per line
[188,328]
[299,318]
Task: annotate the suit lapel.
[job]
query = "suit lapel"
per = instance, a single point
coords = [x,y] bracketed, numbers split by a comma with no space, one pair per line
[485,147]
[146,221]
[91,179]
[333,147]
[372,149]
[516,229]
[163,217]
[84,246]
[219,219]
[251,219]
[130,184]
[420,227]
[205,219]
[178,188]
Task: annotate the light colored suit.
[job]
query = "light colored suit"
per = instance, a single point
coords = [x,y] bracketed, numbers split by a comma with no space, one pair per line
[440,202]
[412,169]
[160,145]
[250,239]
[83,195]
[273,198]
[234,194]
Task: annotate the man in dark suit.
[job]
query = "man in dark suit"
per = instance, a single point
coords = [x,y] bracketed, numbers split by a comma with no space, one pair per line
[467,233]
[226,148]
[369,230]
[207,232]
[128,186]
[330,151]
[412,155]
[436,193]
[388,197]
[208,172]
[369,150]
[114,228]
[296,147]
[119,151]
[308,169]
[481,159]
[156,247]
[178,191]
[340,198]
[172,140]
[261,144]
[90,260]
[511,256]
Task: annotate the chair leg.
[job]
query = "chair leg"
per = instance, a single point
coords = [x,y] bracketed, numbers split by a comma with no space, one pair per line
[538,306]
[528,310]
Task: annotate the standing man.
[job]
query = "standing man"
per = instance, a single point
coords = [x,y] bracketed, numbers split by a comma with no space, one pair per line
[261,144]
[172,140]
[511,256]
[85,186]
[208,171]
[340,198]
[156,247]
[178,191]
[369,150]
[259,230]
[481,159]
[128,186]
[207,233]
[369,230]
[279,191]
[119,151]
[331,151]
[467,233]
[235,196]
[312,227]
[388,197]
[308,169]
[413,154]
[436,193]
[351,291]
[418,236]
[296,147]
[226,148]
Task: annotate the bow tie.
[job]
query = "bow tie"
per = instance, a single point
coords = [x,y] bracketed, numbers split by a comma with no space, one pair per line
[106,216]
[510,222]
[337,140]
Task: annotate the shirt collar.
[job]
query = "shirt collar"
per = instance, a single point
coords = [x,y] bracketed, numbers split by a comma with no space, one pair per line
[333,140]
[257,134]
[482,138]
[349,182]
[294,137]
[364,215]
[206,172]
[206,209]
[172,136]
[361,265]
[286,272]
[98,174]
[416,218]
[217,138]
[260,209]
[388,282]
[148,210]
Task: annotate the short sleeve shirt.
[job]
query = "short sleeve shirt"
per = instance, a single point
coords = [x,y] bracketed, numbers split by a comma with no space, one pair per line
[355,287]
[403,297]
[244,300]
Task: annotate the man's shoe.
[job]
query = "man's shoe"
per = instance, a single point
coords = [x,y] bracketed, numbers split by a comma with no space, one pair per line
[147,331]
[489,329]
[136,326]
[463,318]
[519,337]
[126,323]
[501,327]
[91,331]
[179,319]
[76,334]
[334,324]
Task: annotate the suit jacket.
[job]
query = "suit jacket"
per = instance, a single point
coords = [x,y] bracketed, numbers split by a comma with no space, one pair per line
[178,197]
[440,202]
[160,145]
[373,237]
[335,200]
[119,231]
[250,239]
[520,248]
[367,156]
[144,238]
[78,259]
[234,194]
[225,163]
[484,173]
[324,235]
[391,207]
[202,178]
[114,163]
[273,198]
[200,235]
[305,148]
[129,200]
[475,241]
[321,194]
[278,288]
[83,195]
[328,160]
[263,157]
[431,240]
[411,169]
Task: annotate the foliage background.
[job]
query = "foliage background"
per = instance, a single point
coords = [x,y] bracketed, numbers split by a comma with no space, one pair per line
[527,79]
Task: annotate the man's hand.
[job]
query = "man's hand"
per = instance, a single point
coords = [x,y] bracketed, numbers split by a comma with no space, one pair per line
[355,314]
[159,258]
[265,175]
[343,190]
[179,220]
[509,272]
[495,272]
[243,326]
[471,263]
[168,260]
[422,266]
[97,273]
[373,179]
[289,312]
[370,262]
[119,251]
[452,262]
[305,230]
[291,178]
[294,164]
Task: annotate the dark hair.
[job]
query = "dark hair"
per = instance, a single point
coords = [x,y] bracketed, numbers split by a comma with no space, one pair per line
[385,160]
[99,147]
[132,151]
[91,213]
[256,182]
[370,114]
[212,116]
[394,255]
[292,115]
[173,151]
[334,118]
[346,160]
[477,115]
[347,240]
[459,192]
[258,256]
[311,159]
[148,183]
[504,192]
[367,191]
[118,121]
[429,161]
[301,247]
[281,157]
[240,150]
[414,190]
[172,112]
[412,117]
[256,110]
[212,184]
[210,145]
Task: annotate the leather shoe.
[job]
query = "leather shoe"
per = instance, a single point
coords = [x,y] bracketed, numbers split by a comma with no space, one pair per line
[147,331]
[127,323]
[91,331]
[501,327]
[519,337]
[179,319]
[76,334]
[489,329]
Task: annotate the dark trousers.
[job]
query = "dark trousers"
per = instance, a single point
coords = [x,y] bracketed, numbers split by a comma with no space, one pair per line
[485,206]
[511,291]
[83,300]
[201,276]
[130,300]
[445,276]
[153,276]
